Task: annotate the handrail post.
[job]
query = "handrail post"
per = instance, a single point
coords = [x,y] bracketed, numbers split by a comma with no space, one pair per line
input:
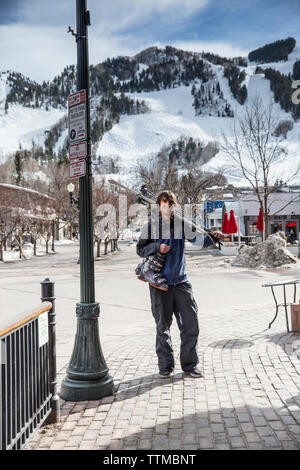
[47,294]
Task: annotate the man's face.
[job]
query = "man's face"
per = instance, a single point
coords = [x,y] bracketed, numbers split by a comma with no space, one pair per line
[164,207]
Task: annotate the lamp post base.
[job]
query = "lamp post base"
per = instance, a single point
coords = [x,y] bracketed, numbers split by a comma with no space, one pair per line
[87,375]
[82,390]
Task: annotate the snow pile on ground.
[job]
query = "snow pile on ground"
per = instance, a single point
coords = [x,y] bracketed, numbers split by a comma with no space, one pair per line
[126,234]
[27,253]
[63,242]
[10,256]
[271,253]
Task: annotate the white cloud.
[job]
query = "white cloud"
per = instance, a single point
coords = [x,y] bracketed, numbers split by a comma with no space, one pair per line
[111,16]
[42,52]
[224,49]
[40,47]
[115,16]
[38,52]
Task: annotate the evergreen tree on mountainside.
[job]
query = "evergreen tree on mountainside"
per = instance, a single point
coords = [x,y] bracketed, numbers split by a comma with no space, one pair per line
[19,158]
[18,167]
[187,151]
[273,52]
[209,100]
[296,70]
[31,94]
[235,78]
[281,85]
[224,61]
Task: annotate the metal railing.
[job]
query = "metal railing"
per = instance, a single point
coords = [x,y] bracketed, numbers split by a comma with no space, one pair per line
[28,374]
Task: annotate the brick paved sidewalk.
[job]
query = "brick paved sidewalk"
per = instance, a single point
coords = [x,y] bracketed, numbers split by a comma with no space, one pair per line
[249,398]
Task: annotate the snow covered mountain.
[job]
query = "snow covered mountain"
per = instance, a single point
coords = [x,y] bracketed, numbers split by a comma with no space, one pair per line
[141,103]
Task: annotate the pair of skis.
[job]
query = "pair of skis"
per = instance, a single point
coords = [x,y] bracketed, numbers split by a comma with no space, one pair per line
[145,196]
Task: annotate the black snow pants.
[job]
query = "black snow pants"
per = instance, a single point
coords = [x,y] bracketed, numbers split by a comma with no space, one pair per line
[180,301]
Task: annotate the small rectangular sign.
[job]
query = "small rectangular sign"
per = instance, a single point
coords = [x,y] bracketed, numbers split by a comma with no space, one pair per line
[77,123]
[77,151]
[2,352]
[77,98]
[43,329]
[77,169]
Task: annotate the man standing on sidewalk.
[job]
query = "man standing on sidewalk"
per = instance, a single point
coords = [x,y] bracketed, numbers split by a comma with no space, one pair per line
[179,297]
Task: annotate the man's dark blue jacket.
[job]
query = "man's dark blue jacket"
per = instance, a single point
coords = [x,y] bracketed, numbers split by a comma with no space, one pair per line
[174,269]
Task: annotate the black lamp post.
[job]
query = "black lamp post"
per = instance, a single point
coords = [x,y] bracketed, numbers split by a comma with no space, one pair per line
[87,375]
[71,188]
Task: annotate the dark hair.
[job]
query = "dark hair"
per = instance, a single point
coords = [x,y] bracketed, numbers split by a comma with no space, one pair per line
[168,195]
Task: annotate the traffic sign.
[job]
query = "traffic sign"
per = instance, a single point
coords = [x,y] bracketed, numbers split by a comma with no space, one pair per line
[77,169]
[77,98]
[77,116]
[77,151]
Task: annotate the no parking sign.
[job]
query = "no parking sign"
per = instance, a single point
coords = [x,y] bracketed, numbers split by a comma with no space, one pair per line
[77,116]
[77,124]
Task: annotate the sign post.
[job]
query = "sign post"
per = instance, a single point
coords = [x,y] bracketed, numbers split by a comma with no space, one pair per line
[87,375]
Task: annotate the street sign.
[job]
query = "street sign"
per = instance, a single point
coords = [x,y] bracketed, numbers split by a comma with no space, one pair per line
[77,116]
[77,151]
[77,98]
[77,169]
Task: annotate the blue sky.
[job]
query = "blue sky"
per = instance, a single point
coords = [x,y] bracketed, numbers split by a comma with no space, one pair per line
[33,38]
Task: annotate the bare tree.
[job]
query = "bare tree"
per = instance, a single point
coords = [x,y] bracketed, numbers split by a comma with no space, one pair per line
[8,224]
[58,179]
[158,174]
[105,194]
[35,231]
[46,232]
[22,229]
[253,152]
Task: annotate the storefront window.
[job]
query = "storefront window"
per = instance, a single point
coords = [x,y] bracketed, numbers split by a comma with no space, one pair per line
[291,231]
[252,229]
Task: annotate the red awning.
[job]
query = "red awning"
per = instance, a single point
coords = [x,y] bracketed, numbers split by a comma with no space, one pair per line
[260,221]
[291,224]
[225,223]
[232,227]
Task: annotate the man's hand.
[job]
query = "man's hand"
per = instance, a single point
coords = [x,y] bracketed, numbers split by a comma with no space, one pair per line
[164,248]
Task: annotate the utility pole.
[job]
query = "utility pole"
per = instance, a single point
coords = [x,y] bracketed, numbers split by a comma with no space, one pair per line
[87,375]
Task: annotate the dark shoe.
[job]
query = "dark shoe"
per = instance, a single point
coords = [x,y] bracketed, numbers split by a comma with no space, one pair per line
[195,373]
[166,374]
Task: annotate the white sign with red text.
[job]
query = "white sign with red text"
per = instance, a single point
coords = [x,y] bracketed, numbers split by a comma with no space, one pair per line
[77,116]
[77,98]
[77,151]
[77,169]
